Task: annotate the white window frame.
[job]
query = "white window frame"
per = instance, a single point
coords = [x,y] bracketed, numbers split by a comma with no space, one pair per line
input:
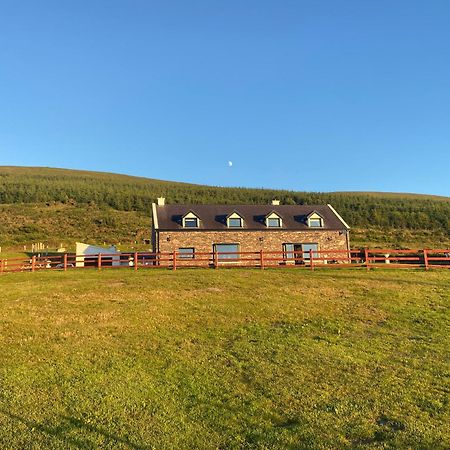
[271,216]
[235,216]
[190,216]
[313,217]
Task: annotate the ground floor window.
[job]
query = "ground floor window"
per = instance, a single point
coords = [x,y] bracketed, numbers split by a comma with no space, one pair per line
[288,251]
[299,253]
[186,252]
[225,252]
[307,248]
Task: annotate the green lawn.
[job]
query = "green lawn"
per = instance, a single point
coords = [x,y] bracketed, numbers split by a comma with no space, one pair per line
[225,359]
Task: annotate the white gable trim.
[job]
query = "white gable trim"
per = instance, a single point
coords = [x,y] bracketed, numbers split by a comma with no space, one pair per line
[338,216]
[190,215]
[314,215]
[155,216]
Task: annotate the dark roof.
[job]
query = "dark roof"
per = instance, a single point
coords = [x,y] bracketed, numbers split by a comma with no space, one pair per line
[213,217]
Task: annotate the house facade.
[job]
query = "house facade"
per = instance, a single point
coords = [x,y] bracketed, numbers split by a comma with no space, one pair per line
[292,230]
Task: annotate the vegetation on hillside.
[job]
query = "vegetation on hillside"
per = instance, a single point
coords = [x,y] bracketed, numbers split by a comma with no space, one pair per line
[61,223]
[225,359]
[377,213]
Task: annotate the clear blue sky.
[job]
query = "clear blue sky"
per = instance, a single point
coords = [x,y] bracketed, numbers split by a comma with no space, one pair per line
[318,95]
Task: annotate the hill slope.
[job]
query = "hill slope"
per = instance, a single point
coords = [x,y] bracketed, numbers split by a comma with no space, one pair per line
[53,205]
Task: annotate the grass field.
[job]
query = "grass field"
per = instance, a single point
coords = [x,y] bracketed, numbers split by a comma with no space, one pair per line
[225,359]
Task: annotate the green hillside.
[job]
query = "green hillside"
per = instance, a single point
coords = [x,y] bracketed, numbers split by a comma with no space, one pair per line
[60,206]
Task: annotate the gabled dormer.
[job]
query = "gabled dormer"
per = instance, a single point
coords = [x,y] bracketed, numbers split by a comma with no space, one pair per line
[190,220]
[273,220]
[235,220]
[314,220]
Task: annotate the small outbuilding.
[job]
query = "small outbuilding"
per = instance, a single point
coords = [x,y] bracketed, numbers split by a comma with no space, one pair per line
[88,255]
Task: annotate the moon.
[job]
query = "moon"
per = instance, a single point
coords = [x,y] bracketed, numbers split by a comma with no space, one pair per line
[230,163]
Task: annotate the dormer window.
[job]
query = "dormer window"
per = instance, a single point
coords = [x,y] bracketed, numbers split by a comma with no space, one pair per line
[190,220]
[315,223]
[191,223]
[234,220]
[273,220]
[315,220]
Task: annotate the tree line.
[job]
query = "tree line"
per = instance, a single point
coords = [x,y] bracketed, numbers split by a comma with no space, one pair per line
[136,194]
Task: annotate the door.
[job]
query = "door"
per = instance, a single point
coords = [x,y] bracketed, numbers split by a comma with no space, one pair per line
[293,253]
[298,255]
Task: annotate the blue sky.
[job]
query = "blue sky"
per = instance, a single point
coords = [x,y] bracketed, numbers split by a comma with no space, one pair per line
[317,95]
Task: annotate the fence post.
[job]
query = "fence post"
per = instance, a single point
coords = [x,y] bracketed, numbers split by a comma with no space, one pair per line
[311,260]
[174,260]
[33,263]
[425,258]
[261,259]
[215,260]
[99,263]
[366,258]
[135,261]
[65,262]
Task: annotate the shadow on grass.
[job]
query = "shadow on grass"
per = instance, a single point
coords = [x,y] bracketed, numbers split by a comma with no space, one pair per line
[371,276]
[68,424]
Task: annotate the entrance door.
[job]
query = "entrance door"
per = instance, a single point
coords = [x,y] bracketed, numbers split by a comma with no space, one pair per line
[298,254]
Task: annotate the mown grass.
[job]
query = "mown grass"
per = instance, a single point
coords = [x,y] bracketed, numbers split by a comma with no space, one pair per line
[225,359]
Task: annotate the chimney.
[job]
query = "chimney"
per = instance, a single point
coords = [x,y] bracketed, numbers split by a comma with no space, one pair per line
[161,201]
[275,202]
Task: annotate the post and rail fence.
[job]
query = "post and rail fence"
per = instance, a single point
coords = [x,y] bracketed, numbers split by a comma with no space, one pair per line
[311,259]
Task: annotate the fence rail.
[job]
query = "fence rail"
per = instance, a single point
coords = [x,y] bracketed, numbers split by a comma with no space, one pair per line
[365,258]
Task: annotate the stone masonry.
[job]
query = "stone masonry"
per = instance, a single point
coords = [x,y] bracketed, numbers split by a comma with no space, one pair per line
[252,240]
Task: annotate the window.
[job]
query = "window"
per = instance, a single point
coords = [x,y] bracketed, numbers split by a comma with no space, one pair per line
[292,253]
[191,222]
[235,222]
[307,248]
[186,253]
[315,222]
[226,252]
[288,250]
[299,253]
[273,222]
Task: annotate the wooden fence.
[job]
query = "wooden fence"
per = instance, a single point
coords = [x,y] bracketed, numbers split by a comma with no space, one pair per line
[365,258]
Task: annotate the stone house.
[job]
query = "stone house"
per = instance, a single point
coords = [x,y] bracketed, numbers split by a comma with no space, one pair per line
[292,230]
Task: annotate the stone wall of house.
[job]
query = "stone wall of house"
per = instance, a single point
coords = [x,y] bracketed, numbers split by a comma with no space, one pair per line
[252,241]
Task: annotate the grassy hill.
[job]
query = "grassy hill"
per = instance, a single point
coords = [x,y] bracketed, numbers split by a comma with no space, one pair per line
[278,359]
[60,206]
